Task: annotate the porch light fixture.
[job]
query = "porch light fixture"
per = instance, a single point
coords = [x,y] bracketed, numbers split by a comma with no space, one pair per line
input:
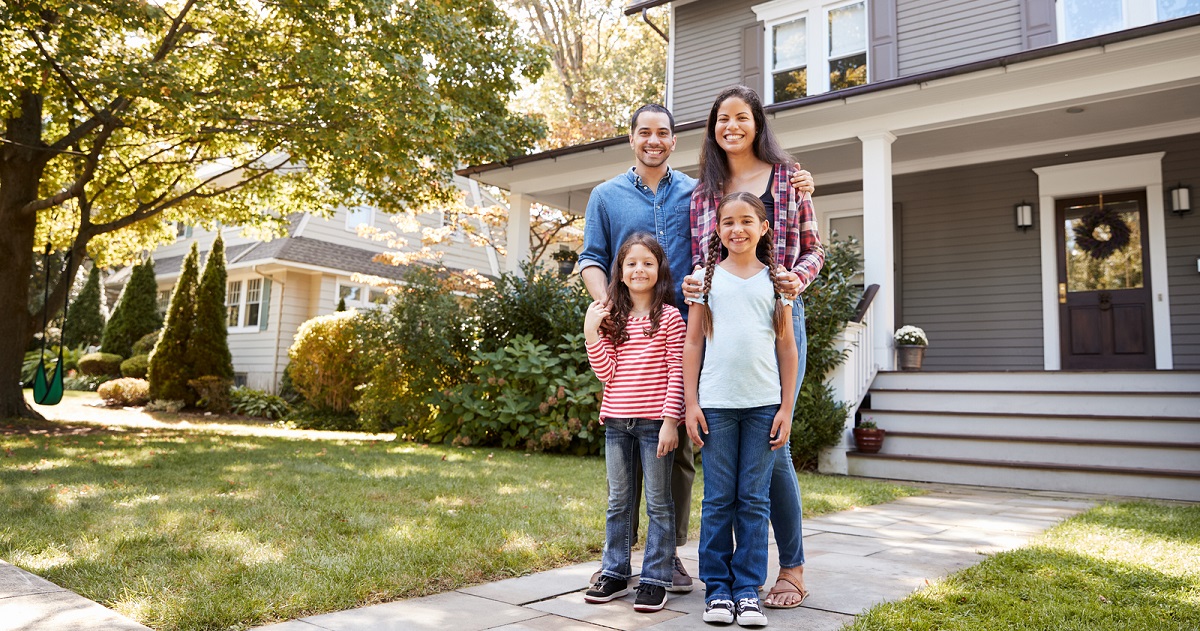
[1181,199]
[1024,216]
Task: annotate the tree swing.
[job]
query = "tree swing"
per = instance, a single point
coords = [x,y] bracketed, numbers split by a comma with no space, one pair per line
[48,390]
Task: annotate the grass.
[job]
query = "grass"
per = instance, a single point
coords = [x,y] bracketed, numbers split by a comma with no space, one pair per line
[1118,567]
[190,530]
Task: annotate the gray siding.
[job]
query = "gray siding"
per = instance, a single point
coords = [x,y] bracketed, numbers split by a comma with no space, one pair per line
[934,34]
[708,53]
[972,280]
[1181,165]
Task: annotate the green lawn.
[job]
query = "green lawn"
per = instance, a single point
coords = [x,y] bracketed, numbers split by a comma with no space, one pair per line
[207,530]
[1118,567]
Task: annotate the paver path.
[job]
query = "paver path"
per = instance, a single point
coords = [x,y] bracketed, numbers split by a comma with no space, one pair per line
[854,559]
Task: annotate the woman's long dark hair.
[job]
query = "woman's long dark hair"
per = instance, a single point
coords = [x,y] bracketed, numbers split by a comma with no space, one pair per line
[613,326]
[764,251]
[714,164]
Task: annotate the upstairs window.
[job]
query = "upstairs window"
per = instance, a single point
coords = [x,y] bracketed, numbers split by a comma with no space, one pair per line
[1078,19]
[359,216]
[813,47]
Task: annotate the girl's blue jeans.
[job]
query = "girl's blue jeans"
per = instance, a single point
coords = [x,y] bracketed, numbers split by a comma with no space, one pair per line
[738,466]
[786,506]
[628,441]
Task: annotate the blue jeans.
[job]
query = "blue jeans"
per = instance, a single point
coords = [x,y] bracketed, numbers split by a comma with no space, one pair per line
[737,475]
[628,442]
[786,505]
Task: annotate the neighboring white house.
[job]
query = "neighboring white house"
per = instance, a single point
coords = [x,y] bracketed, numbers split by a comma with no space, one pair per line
[274,286]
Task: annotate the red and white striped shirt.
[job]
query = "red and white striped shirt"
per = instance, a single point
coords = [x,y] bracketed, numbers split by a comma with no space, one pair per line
[643,378]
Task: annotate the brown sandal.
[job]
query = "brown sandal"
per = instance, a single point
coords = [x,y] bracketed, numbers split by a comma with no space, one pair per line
[795,588]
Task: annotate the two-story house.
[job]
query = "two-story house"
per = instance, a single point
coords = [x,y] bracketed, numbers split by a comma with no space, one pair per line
[986,153]
[275,286]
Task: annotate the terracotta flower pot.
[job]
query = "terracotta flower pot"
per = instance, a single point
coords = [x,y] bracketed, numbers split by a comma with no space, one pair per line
[868,440]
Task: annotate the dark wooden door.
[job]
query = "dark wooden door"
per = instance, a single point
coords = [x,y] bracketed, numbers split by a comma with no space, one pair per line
[1104,290]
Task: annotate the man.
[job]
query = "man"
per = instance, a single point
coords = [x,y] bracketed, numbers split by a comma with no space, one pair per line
[651,197]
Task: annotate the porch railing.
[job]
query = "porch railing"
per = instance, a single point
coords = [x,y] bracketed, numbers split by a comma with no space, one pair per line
[852,379]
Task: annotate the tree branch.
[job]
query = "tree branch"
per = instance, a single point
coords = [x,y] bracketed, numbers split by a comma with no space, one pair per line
[75,188]
[62,74]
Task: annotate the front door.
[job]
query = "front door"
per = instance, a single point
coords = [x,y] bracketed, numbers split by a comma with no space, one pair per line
[1104,283]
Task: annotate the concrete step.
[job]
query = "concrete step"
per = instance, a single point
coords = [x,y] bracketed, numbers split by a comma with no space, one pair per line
[1049,476]
[1183,430]
[1181,381]
[1182,405]
[1079,450]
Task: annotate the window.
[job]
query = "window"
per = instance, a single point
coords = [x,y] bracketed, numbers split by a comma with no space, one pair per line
[182,230]
[349,293]
[1078,19]
[361,296]
[359,216]
[830,39]
[164,300]
[244,304]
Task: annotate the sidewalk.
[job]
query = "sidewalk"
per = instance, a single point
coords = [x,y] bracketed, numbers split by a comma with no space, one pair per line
[854,559]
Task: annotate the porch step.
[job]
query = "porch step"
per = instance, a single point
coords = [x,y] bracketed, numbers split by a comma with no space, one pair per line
[1120,433]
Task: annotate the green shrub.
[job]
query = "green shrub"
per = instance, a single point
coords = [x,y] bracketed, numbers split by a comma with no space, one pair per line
[125,392]
[829,302]
[250,402]
[145,345]
[136,366]
[85,383]
[305,416]
[212,393]
[287,389]
[29,366]
[208,344]
[94,364]
[170,367]
[541,305]
[527,395]
[85,322]
[136,313]
[326,365]
[419,346]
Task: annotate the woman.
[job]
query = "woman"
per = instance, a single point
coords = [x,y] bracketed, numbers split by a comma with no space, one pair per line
[740,154]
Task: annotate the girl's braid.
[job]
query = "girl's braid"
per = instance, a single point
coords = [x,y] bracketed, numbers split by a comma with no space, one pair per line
[710,264]
[778,317]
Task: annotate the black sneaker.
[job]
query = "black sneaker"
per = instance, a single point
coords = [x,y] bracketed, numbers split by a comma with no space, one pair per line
[749,613]
[681,583]
[650,598]
[606,588]
[719,610]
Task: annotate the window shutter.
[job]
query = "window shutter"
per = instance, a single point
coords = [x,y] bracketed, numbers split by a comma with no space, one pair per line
[883,63]
[1038,23]
[752,57]
[264,310]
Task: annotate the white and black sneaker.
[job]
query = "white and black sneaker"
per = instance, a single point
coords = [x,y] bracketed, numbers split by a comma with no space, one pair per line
[606,588]
[749,613]
[650,598]
[719,610]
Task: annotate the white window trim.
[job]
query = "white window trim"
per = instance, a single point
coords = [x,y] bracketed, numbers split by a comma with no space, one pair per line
[1089,178]
[1133,13]
[243,306]
[815,12]
[364,293]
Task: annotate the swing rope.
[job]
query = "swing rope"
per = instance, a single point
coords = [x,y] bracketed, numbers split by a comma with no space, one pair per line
[48,390]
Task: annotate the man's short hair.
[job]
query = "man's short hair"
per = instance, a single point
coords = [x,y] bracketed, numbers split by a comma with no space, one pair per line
[650,107]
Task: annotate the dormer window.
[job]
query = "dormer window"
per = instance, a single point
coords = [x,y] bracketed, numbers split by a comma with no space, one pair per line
[1078,19]
[813,47]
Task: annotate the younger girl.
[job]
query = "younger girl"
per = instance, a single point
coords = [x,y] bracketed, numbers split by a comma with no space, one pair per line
[741,400]
[635,346]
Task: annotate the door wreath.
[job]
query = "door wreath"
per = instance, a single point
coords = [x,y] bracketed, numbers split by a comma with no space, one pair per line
[1102,232]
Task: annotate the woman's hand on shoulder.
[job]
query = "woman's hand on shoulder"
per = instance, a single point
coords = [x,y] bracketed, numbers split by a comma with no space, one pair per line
[693,285]
[803,181]
[787,283]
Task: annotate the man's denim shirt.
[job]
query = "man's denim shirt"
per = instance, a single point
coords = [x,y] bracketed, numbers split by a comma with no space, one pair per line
[624,205]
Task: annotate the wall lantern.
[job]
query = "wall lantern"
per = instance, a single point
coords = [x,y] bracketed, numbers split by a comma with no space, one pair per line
[1181,199]
[1024,216]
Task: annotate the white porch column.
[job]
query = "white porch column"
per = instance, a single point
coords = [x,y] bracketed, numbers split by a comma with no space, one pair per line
[879,256]
[517,234]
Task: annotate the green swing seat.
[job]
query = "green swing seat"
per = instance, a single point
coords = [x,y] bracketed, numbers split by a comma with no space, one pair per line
[48,391]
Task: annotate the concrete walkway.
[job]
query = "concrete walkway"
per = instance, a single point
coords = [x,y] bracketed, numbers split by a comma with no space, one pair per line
[855,559]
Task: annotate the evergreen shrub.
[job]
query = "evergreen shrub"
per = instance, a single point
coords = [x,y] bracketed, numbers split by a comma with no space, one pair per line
[85,322]
[136,366]
[136,313]
[95,364]
[145,345]
[326,366]
[212,393]
[125,392]
[420,345]
[541,304]
[170,366]
[829,302]
[208,344]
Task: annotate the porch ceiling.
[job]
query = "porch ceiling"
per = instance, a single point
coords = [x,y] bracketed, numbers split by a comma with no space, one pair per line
[1131,90]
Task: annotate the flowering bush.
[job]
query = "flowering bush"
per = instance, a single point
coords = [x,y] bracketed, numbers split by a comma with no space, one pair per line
[911,336]
[125,392]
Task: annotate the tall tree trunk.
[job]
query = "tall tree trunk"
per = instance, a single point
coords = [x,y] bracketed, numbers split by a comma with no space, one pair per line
[21,165]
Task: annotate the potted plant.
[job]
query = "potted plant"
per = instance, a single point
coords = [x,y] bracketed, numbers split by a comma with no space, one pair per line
[868,438]
[566,260]
[910,347]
